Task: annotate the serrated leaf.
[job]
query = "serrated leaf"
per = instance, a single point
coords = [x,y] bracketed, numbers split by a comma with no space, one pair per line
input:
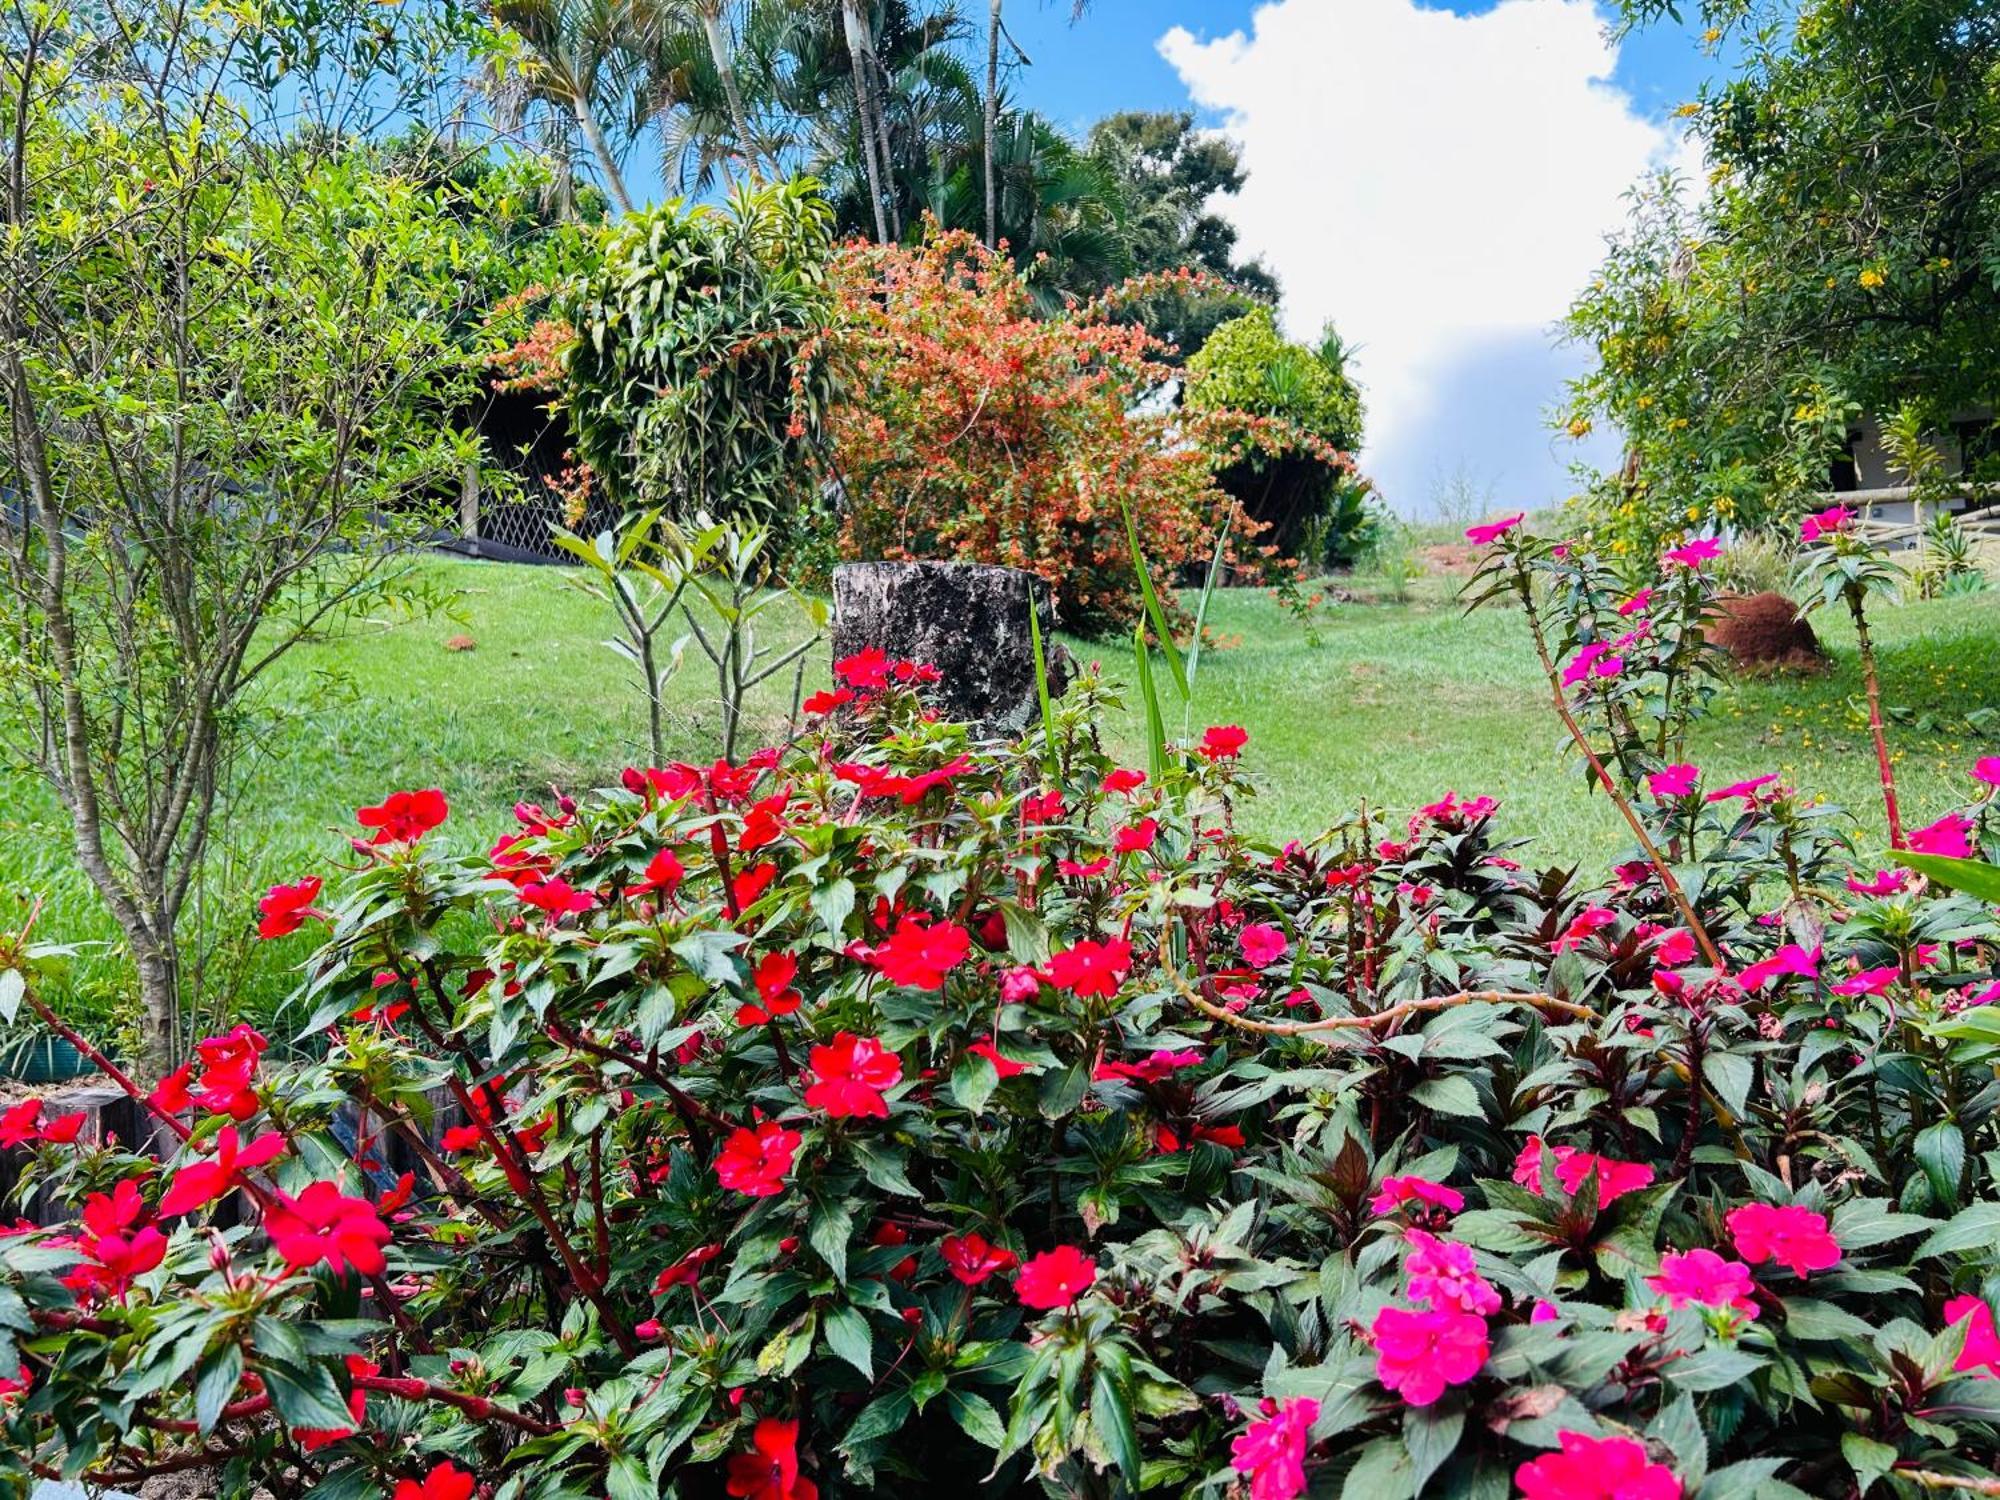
[846,1332]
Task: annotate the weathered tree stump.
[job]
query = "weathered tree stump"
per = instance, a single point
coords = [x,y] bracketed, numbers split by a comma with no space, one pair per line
[969,620]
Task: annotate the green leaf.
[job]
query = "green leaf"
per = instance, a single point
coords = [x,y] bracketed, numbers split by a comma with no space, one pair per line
[1207,593]
[627,1479]
[13,985]
[1869,1459]
[1712,1369]
[1042,679]
[847,1335]
[976,1418]
[1153,610]
[1940,1150]
[1971,1228]
[828,1232]
[1974,877]
[1111,1416]
[306,1396]
[216,1383]
[972,1084]
[1451,1095]
[1156,730]
[1752,1479]
[1430,1433]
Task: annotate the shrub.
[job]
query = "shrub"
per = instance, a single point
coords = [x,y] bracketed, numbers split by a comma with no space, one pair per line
[895,1105]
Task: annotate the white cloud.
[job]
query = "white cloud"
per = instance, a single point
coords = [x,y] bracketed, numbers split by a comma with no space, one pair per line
[1434,183]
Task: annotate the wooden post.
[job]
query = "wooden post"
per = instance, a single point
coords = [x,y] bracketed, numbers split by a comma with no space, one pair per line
[468,503]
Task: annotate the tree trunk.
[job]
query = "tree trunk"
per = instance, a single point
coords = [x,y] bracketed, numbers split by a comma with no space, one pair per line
[614,181]
[719,49]
[158,963]
[855,27]
[992,120]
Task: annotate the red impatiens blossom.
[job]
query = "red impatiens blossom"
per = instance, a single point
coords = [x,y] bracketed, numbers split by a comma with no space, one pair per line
[773,976]
[1947,836]
[203,1182]
[557,897]
[1419,1354]
[1223,742]
[1046,807]
[971,1260]
[770,1471]
[1091,968]
[1073,870]
[121,1246]
[1705,1277]
[1055,1278]
[228,1066]
[1004,1067]
[824,702]
[1122,779]
[283,910]
[1273,1452]
[756,1162]
[15,1386]
[324,1224]
[1981,1354]
[1489,532]
[751,883]
[1262,944]
[1443,1274]
[445,1482]
[687,1270]
[1136,838]
[1588,1468]
[22,1125]
[850,1074]
[1674,781]
[1794,1237]
[1396,1191]
[664,874]
[919,953]
[404,816]
[1614,1178]
[1155,1066]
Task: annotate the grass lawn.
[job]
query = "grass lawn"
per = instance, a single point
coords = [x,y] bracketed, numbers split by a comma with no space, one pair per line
[1395,704]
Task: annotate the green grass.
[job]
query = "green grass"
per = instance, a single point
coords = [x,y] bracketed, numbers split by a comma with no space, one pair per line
[1394,705]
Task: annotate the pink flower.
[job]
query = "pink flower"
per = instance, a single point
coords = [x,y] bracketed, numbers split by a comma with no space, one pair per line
[1273,1451]
[1829,522]
[1869,981]
[1981,1354]
[1674,781]
[1491,531]
[1614,1178]
[1594,660]
[1694,554]
[1747,790]
[1223,742]
[1987,769]
[1590,920]
[1396,1191]
[1055,1278]
[1418,1354]
[1443,1274]
[1885,883]
[1947,836]
[1638,604]
[1588,1468]
[1795,1237]
[1788,960]
[1705,1277]
[1262,945]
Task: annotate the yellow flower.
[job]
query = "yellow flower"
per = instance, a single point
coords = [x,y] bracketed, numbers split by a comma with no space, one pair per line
[1872,278]
[1689,108]
[1579,427]
[1712,35]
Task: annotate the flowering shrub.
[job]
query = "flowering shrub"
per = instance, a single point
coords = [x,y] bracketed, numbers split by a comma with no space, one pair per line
[895,1105]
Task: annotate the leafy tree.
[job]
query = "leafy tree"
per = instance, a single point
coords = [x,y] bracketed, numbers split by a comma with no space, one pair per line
[1169,178]
[696,376]
[1305,493]
[1839,262]
[226,352]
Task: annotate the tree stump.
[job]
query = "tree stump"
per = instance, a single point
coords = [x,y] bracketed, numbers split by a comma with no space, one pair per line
[969,620]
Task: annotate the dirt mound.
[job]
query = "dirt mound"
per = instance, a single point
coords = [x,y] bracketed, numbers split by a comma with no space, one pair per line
[1452,559]
[1762,632]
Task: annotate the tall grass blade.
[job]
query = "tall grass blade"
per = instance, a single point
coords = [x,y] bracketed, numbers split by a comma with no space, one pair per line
[1207,593]
[1156,729]
[1042,680]
[1153,610]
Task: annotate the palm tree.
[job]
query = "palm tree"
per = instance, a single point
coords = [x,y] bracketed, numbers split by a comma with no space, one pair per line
[716,32]
[992,114]
[578,60]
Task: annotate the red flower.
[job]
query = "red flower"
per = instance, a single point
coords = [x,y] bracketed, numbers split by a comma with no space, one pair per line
[1589,1468]
[1155,1066]
[445,1482]
[63,1129]
[686,1270]
[229,1071]
[752,883]
[1004,1067]
[1123,780]
[823,703]
[112,1237]
[772,976]
[404,816]
[850,1074]
[1223,742]
[557,897]
[21,1124]
[867,669]
[754,1162]
[1091,968]
[1792,1236]
[203,1182]
[1614,1178]
[285,908]
[323,1224]
[770,1471]
[312,1439]
[1055,1278]
[664,873]
[919,954]
[1091,871]
[763,824]
[972,1260]
[1137,837]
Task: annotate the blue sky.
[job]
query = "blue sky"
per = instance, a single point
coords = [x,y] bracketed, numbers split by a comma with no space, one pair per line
[1434,178]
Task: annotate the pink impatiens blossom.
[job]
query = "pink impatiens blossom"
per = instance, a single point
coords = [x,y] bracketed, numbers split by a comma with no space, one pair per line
[1588,1468]
[1869,981]
[1443,1274]
[1262,945]
[1674,781]
[1614,1178]
[1987,769]
[1419,1354]
[1396,1191]
[1829,522]
[1947,836]
[1795,1237]
[1703,1276]
[1981,1354]
[1885,883]
[1596,660]
[1491,531]
[1273,1451]
[1788,960]
[1638,604]
[1590,920]
[1694,554]
[1747,790]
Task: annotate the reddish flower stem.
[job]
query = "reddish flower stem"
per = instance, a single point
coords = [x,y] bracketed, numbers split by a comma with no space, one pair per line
[1872,681]
[476,1407]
